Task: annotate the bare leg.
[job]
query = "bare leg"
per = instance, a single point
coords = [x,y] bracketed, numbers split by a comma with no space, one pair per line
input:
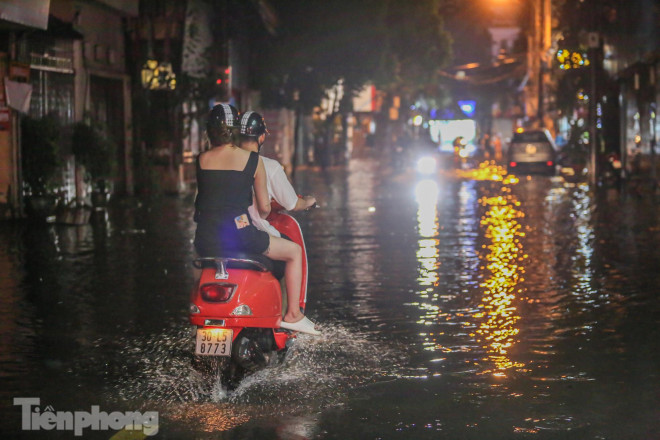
[285,300]
[291,254]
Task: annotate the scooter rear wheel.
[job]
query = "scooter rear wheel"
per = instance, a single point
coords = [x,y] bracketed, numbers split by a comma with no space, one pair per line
[253,349]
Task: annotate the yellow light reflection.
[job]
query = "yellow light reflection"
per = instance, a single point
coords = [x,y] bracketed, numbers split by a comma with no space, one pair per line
[493,323]
[210,417]
[498,312]
[487,170]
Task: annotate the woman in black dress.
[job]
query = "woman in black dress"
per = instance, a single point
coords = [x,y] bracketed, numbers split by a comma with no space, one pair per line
[226,175]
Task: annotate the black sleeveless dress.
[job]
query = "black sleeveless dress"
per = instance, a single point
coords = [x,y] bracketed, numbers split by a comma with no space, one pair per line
[221,212]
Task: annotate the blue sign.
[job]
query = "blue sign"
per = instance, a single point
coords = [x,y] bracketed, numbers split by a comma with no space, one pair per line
[467,107]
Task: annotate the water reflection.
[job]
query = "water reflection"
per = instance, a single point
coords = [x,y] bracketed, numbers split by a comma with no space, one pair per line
[405,287]
[208,417]
[486,170]
[499,314]
[426,195]
[487,236]
[581,207]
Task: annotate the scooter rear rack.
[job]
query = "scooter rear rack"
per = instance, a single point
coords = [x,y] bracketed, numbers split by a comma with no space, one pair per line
[221,264]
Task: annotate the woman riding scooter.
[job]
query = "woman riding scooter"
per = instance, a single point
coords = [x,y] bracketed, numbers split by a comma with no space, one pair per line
[225,178]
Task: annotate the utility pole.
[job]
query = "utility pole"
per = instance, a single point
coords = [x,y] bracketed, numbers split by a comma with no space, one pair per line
[593,108]
[544,33]
[654,116]
[532,91]
[541,46]
[594,60]
[538,45]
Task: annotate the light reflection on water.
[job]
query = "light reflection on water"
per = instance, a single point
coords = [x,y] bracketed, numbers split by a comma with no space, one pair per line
[581,206]
[504,259]
[491,324]
[480,306]
[426,196]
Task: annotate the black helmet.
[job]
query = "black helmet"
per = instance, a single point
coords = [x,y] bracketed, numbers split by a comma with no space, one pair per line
[252,124]
[223,115]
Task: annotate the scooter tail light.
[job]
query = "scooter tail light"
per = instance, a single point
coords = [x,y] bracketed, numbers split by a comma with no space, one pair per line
[513,164]
[550,163]
[217,292]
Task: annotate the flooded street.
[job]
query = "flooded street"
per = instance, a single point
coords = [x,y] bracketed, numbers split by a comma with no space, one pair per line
[469,307]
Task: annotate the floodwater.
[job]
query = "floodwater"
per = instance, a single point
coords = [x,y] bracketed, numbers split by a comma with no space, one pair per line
[458,307]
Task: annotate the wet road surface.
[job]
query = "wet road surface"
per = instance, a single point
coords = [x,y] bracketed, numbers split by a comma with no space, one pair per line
[471,306]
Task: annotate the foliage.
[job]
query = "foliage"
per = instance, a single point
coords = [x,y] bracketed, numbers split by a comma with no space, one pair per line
[576,19]
[95,150]
[418,45]
[397,44]
[576,150]
[571,83]
[468,21]
[40,144]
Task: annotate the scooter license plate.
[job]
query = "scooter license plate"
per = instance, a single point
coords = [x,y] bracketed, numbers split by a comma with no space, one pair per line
[214,341]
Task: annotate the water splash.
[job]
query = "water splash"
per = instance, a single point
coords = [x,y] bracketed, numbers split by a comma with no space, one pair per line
[320,369]
[317,372]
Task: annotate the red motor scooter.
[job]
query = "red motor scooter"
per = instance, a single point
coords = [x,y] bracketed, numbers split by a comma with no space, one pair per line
[237,307]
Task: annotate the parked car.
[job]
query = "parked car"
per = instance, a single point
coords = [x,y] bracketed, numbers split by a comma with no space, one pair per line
[532,151]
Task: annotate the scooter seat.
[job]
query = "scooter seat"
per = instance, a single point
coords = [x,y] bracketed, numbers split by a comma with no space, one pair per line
[238,260]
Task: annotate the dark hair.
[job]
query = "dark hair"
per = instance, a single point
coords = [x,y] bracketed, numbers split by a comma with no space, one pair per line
[220,134]
[245,138]
[222,119]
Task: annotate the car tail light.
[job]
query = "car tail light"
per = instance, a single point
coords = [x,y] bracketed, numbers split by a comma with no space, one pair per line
[217,292]
[512,164]
[550,163]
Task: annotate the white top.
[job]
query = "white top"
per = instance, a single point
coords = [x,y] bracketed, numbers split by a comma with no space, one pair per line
[280,189]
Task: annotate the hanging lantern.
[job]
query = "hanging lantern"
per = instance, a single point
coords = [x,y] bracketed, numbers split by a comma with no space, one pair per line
[158,76]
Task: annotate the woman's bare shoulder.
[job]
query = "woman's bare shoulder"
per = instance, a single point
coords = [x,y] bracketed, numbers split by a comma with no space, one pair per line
[226,157]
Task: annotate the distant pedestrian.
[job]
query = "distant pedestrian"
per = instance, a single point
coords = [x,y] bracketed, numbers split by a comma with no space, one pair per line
[486,147]
[497,148]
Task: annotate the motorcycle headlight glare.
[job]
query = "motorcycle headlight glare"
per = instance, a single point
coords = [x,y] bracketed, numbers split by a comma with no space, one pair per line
[426,165]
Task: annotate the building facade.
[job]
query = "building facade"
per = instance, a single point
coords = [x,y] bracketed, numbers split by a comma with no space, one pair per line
[68,59]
